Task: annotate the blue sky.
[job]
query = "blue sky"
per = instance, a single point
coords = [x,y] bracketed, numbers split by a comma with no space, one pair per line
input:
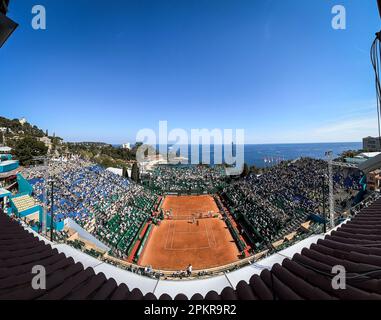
[274,68]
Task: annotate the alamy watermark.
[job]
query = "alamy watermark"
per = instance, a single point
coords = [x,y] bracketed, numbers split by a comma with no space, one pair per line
[339,20]
[339,281]
[223,141]
[39,280]
[39,18]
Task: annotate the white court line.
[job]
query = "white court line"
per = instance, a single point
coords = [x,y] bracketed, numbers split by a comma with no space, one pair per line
[173,226]
[184,249]
[207,234]
[173,234]
[169,229]
[214,237]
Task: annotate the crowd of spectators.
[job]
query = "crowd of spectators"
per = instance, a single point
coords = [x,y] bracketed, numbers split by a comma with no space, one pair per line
[187,178]
[109,206]
[114,209]
[277,201]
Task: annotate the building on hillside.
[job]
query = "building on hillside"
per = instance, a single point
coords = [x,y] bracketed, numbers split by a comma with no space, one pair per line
[371,144]
[126,146]
[22,121]
[47,141]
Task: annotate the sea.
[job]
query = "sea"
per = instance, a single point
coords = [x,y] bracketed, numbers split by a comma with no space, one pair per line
[265,155]
[270,154]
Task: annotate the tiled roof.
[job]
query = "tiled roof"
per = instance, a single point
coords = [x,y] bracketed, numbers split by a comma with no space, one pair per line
[355,245]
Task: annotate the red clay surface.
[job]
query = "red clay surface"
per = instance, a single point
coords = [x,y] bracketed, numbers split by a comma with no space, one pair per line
[176,243]
[183,206]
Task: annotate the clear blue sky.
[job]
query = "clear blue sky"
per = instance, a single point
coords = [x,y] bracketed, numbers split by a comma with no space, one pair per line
[105,69]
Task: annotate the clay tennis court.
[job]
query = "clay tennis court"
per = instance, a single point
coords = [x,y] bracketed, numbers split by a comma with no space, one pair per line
[181,206]
[177,243]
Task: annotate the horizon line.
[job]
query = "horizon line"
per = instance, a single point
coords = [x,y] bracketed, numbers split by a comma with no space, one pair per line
[202,144]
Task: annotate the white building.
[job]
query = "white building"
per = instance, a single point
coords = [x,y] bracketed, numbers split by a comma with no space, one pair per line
[22,121]
[46,141]
[5,149]
[126,145]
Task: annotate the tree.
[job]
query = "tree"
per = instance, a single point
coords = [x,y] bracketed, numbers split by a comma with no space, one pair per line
[125,172]
[245,171]
[254,169]
[348,154]
[27,148]
[135,149]
[135,172]
[105,161]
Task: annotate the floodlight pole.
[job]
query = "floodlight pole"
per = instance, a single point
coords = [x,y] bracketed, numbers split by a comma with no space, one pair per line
[51,208]
[45,198]
[330,177]
[324,215]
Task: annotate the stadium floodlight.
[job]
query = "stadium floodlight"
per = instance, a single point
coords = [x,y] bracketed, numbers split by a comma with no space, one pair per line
[375,162]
